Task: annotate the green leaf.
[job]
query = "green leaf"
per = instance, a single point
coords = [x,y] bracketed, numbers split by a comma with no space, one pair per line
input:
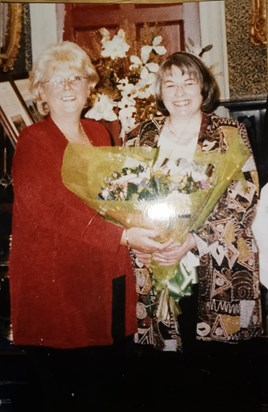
[146,194]
[132,189]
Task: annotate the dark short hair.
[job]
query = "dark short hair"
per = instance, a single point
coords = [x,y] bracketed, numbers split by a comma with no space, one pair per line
[194,66]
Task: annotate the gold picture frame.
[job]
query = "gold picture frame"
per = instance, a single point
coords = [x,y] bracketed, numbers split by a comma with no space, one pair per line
[11,16]
[258,30]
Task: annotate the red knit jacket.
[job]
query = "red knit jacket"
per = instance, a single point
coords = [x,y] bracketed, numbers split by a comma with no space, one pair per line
[64,257]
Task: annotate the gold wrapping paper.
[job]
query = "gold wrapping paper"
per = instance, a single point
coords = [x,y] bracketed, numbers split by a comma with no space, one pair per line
[85,167]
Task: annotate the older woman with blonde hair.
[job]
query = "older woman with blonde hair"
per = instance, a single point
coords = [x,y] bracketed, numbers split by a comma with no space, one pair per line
[71,282]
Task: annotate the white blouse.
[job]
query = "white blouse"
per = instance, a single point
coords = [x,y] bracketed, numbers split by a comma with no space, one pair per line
[173,150]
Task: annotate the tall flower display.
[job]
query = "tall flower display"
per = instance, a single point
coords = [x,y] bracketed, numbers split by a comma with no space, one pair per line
[124,91]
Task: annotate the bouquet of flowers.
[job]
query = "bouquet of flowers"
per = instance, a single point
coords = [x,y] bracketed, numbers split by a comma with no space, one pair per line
[139,186]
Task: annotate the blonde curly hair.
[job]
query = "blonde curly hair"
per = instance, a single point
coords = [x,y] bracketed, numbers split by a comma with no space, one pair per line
[52,58]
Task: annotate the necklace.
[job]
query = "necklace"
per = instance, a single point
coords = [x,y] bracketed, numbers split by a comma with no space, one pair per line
[80,138]
[84,135]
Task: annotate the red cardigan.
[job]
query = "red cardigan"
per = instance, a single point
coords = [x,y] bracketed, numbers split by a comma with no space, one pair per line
[61,267]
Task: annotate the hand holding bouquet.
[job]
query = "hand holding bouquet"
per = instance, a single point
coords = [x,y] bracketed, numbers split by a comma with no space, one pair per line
[140,187]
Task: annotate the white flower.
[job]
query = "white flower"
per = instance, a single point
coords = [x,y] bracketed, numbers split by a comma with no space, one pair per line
[131,162]
[127,108]
[197,49]
[105,35]
[127,105]
[115,47]
[128,82]
[156,47]
[142,65]
[103,109]
[128,90]
[144,88]
[147,72]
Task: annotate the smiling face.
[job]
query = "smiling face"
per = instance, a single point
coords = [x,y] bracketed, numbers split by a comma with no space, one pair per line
[181,93]
[65,89]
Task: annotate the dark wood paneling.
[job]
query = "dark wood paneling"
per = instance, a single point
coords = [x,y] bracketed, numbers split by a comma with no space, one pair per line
[252,113]
[83,20]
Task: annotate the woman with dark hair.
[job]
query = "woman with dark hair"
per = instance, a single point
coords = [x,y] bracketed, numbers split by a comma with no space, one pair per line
[193,66]
[225,306]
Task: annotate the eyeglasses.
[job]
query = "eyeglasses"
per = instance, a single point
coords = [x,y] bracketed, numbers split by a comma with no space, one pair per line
[59,81]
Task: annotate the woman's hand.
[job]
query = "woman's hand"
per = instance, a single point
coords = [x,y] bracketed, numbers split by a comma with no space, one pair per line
[174,252]
[146,248]
[143,240]
[144,258]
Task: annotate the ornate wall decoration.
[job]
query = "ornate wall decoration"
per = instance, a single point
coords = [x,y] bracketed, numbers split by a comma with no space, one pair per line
[11,16]
[27,40]
[258,32]
[247,64]
[15,39]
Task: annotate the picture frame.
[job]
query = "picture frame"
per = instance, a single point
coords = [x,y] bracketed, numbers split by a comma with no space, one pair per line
[13,111]
[22,89]
[11,16]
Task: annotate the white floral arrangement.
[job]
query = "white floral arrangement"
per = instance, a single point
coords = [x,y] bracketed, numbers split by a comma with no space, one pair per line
[125,90]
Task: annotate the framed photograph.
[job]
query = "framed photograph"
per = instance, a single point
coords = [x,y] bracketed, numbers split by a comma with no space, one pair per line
[22,89]
[13,111]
